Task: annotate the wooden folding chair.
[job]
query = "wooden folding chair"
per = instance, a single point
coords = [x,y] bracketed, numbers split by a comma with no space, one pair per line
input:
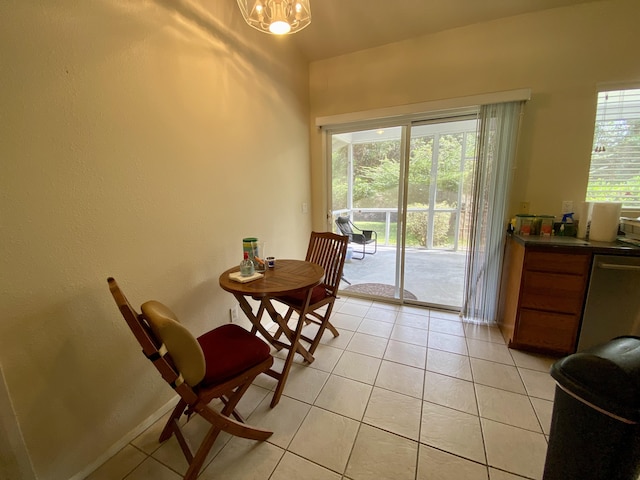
[222,364]
[329,251]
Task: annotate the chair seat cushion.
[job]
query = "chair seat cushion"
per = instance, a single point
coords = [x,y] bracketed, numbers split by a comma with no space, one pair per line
[318,294]
[228,351]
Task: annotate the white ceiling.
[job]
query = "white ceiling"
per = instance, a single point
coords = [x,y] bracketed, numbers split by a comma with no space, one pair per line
[344,26]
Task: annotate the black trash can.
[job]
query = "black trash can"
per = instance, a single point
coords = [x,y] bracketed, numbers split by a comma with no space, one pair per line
[595,428]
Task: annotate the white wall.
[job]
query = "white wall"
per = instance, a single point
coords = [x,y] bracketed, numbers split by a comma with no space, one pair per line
[561,54]
[142,140]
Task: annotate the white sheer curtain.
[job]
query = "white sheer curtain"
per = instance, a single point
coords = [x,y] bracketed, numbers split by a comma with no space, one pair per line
[497,137]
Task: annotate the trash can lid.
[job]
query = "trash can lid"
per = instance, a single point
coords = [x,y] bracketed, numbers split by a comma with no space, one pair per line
[606,376]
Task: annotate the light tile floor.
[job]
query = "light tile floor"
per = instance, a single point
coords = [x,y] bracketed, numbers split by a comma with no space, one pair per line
[402,393]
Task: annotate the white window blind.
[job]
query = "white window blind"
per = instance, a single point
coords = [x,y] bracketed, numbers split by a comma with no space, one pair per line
[614,175]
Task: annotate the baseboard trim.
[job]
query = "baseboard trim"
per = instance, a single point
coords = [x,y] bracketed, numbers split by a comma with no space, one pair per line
[124,441]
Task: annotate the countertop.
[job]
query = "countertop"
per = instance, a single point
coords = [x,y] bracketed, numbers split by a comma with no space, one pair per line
[573,243]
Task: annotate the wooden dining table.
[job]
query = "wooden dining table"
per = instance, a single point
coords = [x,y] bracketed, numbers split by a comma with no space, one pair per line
[287,277]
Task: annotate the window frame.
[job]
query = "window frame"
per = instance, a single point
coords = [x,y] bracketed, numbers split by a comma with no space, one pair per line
[616,105]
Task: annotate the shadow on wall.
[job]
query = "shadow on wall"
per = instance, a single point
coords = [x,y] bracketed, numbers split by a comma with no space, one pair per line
[14,458]
[227,39]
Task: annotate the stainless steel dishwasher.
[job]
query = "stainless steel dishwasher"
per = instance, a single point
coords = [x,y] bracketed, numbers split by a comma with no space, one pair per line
[613,300]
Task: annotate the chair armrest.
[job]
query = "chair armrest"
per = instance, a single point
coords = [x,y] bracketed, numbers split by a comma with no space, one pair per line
[369,233]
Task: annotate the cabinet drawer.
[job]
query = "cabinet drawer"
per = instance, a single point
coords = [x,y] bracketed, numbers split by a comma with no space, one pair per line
[553,291]
[575,264]
[546,330]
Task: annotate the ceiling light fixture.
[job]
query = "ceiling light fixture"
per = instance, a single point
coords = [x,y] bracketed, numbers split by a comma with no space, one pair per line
[276,16]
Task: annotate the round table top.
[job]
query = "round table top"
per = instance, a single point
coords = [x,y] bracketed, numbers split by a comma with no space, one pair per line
[287,276]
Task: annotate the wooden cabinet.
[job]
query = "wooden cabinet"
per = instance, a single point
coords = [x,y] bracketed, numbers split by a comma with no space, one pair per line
[542,296]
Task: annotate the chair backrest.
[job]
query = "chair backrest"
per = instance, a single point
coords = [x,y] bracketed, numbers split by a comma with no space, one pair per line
[328,250]
[344,225]
[185,350]
[153,345]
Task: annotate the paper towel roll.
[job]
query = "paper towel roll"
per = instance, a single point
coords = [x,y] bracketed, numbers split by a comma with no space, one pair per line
[584,219]
[605,218]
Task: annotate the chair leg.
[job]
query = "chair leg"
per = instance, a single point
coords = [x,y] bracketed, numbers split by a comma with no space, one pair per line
[171,424]
[286,319]
[332,329]
[220,423]
[232,426]
[233,399]
[323,326]
[201,455]
[363,254]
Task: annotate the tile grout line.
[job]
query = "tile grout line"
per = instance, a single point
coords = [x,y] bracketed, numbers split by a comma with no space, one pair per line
[381,359]
[475,396]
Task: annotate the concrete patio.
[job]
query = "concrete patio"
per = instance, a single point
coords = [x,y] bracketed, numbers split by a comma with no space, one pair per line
[434,277]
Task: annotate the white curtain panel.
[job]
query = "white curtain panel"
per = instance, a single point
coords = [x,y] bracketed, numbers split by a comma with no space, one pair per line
[496,147]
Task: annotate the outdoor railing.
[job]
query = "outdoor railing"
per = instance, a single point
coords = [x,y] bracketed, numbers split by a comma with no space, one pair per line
[458,231]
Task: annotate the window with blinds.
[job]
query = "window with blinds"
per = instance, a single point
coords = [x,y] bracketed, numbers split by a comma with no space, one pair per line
[614,175]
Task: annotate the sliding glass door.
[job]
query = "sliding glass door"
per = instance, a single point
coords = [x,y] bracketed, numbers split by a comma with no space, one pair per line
[366,170]
[411,185]
[441,161]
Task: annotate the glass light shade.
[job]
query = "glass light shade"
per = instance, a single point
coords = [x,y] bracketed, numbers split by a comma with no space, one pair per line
[278,17]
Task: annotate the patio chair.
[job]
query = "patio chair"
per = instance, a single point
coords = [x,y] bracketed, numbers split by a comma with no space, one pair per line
[328,250]
[221,364]
[358,236]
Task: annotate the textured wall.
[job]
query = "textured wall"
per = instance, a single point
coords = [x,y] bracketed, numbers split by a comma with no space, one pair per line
[141,140]
[561,54]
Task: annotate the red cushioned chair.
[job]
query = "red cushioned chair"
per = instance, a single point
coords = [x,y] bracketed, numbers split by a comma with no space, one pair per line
[220,364]
[328,250]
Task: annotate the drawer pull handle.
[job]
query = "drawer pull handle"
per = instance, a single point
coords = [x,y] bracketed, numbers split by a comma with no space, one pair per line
[615,266]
